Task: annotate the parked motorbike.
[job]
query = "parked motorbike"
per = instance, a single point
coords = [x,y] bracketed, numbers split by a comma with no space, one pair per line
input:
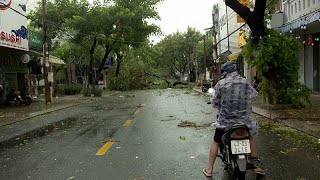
[207,85]
[26,98]
[16,98]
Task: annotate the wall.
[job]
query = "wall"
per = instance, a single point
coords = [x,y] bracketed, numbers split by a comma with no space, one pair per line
[294,9]
[309,66]
[301,62]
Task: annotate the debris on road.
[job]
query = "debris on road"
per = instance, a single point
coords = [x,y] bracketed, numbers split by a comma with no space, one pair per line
[187,123]
[183,138]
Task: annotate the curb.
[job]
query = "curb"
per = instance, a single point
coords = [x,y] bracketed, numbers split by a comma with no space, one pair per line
[53,109]
[39,113]
[23,139]
[41,131]
[290,125]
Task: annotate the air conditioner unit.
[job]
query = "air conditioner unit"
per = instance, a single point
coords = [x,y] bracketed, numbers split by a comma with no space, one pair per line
[276,20]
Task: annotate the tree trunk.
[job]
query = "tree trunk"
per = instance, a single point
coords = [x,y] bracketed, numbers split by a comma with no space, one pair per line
[119,61]
[106,54]
[255,19]
[91,77]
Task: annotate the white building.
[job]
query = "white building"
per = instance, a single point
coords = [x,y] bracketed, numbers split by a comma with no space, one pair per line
[228,32]
[302,19]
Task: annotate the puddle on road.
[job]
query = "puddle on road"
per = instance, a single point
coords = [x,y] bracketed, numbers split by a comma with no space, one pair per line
[40,132]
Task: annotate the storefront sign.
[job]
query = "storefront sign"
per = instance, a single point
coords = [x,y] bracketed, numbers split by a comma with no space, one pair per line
[13,31]
[35,40]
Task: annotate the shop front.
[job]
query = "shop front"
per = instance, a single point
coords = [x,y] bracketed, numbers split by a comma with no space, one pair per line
[13,48]
[14,73]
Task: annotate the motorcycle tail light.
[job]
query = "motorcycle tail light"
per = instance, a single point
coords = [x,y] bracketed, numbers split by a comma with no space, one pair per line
[239,133]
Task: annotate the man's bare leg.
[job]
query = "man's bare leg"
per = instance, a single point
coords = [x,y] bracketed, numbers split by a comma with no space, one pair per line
[212,157]
[253,146]
[254,154]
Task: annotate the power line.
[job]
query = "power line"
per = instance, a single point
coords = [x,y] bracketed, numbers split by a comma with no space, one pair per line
[236,29]
[14,10]
[231,33]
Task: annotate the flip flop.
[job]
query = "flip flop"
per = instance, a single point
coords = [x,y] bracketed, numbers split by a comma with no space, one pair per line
[205,173]
[262,172]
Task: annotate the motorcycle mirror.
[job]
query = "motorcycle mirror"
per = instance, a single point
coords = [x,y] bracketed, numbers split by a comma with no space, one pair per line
[211,91]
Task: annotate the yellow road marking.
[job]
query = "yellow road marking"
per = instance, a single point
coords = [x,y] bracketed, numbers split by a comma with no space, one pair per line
[105,148]
[136,112]
[128,122]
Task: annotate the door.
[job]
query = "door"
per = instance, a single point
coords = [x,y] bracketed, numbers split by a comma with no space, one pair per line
[316,67]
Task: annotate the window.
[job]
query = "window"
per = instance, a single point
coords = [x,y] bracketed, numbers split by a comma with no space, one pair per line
[295,8]
[314,1]
[299,6]
[291,9]
[304,4]
[308,3]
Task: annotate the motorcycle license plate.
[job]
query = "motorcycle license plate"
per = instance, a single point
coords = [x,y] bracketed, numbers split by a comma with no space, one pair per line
[240,147]
[19,96]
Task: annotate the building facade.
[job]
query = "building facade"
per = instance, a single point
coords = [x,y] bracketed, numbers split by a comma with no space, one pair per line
[13,46]
[301,19]
[230,30]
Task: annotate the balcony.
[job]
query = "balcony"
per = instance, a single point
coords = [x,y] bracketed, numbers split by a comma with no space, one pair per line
[295,9]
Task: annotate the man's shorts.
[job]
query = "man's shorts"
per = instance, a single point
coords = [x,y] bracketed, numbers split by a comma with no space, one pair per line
[218,135]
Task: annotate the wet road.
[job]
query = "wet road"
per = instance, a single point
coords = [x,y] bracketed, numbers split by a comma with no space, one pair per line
[135,135]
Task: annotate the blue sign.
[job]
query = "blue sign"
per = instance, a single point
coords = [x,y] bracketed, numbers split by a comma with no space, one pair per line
[108,62]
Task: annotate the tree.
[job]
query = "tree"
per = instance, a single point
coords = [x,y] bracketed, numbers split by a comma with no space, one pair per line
[254,19]
[178,53]
[277,62]
[117,25]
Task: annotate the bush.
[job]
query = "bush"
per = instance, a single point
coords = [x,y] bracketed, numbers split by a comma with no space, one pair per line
[97,92]
[72,89]
[163,85]
[86,92]
[120,83]
[277,62]
[60,89]
[298,96]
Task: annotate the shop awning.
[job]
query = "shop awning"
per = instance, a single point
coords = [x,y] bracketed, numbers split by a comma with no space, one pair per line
[55,60]
[310,18]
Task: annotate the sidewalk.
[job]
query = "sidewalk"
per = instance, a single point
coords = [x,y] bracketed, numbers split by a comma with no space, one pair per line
[306,120]
[17,124]
[9,115]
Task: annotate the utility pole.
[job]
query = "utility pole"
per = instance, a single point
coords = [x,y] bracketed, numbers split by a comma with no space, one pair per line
[215,27]
[204,59]
[46,65]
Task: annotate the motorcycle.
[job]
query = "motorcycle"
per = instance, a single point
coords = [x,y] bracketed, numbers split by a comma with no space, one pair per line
[235,151]
[16,98]
[207,85]
[26,98]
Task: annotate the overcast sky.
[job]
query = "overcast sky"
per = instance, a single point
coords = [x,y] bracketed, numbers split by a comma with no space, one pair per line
[177,15]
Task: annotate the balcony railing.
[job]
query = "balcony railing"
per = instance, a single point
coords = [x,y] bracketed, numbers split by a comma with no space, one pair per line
[294,9]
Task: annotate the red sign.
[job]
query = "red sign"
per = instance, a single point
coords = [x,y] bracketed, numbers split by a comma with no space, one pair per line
[5,4]
[310,41]
[10,37]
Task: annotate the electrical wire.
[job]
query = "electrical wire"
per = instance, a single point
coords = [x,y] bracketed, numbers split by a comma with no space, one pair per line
[16,11]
